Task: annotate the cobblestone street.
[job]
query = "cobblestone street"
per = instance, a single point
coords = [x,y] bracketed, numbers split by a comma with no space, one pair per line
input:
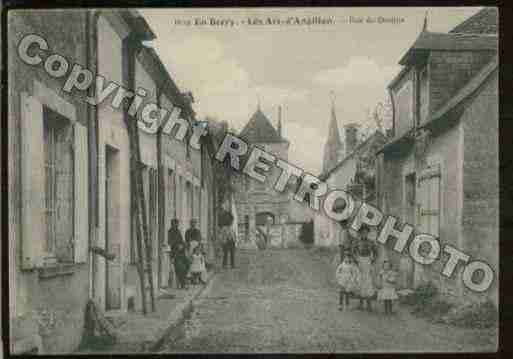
[286,300]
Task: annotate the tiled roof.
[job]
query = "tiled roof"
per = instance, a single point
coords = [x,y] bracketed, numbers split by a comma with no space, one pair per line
[484,22]
[450,41]
[260,130]
[467,90]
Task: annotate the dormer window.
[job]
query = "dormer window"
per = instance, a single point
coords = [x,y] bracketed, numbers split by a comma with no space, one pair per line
[404,107]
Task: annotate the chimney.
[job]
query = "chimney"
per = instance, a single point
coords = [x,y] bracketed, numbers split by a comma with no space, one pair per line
[279,121]
[351,137]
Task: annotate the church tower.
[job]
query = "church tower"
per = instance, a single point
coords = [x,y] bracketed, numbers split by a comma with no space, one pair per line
[334,148]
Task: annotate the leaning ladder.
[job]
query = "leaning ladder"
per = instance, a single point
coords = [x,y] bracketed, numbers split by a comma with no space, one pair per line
[143,241]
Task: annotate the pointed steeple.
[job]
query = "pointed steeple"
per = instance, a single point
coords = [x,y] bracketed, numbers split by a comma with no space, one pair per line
[425,25]
[279,121]
[333,148]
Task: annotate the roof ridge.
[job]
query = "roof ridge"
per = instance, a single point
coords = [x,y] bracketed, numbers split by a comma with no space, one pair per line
[260,129]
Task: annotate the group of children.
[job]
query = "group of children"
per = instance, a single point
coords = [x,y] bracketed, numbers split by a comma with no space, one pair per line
[349,279]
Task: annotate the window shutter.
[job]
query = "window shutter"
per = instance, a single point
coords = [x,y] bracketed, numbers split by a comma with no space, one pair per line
[32,181]
[428,214]
[429,211]
[81,194]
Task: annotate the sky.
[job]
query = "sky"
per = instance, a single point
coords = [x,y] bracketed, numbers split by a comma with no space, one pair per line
[230,69]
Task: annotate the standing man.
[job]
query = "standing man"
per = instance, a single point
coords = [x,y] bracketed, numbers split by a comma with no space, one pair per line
[178,258]
[192,236]
[227,237]
[366,253]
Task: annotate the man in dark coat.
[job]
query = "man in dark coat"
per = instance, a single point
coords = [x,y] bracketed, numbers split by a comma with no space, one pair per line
[178,253]
[192,236]
[227,238]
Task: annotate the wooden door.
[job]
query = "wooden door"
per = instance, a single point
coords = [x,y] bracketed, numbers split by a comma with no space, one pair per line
[112,240]
[428,214]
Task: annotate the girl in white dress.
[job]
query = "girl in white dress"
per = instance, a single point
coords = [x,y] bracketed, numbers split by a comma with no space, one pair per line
[387,293]
[348,278]
[197,265]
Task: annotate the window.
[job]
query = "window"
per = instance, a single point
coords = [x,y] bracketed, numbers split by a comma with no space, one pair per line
[423,94]
[59,192]
[404,108]
[54,181]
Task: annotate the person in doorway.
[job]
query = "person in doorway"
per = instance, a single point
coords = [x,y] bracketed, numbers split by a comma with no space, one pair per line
[365,252]
[192,237]
[197,266]
[178,253]
[387,293]
[348,277]
[227,237]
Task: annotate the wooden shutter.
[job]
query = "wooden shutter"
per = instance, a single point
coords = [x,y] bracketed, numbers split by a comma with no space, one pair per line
[81,194]
[152,201]
[171,197]
[179,195]
[33,181]
[63,190]
[428,212]
[204,211]
[429,200]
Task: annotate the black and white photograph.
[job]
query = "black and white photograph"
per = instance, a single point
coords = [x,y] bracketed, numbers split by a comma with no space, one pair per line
[252,180]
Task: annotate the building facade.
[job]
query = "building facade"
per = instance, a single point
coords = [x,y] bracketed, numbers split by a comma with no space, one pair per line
[49,198]
[71,216]
[347,165]
[440,170]
[257,203]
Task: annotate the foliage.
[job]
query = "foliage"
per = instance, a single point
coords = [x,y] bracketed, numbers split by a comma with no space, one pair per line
[426,302]
[223,172]
[422,295]
[474,315]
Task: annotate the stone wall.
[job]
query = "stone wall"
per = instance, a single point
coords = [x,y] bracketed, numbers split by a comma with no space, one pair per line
[52,307]
[481,178]
[451,70]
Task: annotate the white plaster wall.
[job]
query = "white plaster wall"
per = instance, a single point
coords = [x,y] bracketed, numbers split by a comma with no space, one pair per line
[326,231]
[148,142]
[112,131]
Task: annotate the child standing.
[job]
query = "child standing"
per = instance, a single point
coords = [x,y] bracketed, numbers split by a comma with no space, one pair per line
[348,277]
[198,265]
[387,292]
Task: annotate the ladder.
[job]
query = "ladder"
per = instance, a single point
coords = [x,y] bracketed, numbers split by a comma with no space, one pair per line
[143,240]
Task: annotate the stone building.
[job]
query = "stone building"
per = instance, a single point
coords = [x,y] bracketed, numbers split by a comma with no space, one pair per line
[70,190]
[49,227]
[257,203]
[347,165]
[440,170]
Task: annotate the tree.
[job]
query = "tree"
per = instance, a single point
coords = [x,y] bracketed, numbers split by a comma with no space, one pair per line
[223,172]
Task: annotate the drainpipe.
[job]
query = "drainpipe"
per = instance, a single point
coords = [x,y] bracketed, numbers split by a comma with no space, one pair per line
[91,53]
[160,192]
[391,95]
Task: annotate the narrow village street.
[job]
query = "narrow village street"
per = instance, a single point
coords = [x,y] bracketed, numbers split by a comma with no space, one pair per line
[286,301]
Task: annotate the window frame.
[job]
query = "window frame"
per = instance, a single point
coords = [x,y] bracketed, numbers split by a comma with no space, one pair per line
[51,131]
[32,119]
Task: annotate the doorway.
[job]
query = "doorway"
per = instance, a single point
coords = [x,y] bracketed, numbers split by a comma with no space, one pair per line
[112,240]
[406,264]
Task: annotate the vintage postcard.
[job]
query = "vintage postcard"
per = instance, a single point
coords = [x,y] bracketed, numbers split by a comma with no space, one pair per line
[253,180]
